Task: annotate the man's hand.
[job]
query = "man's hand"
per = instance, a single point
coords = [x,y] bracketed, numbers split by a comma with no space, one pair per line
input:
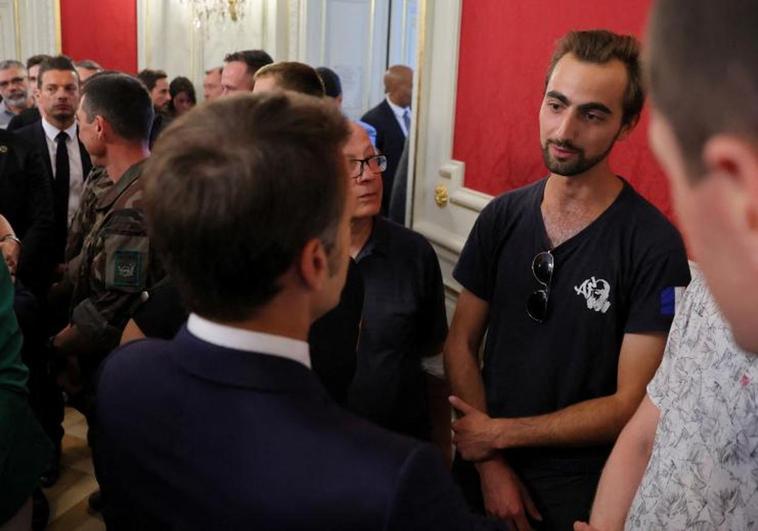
[11,251]
[475,432]
[505,496]
[584,526]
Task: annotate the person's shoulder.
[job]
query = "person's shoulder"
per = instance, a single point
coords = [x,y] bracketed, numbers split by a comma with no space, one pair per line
[375,113]
[28,130]
[512,203]
[647,221]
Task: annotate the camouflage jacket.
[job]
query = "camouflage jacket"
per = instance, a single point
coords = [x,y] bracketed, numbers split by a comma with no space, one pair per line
[116,264]
[98,182]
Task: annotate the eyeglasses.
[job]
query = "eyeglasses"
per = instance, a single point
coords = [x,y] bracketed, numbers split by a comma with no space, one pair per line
[543,266]
[375,163]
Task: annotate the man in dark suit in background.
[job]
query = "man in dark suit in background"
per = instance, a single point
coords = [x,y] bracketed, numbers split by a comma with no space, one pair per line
[31,114]
[225,426]
[392,120]
[26,202]
[56,139]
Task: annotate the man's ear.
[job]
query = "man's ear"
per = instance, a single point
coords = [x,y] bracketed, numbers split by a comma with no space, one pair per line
[314,265]
[734,160]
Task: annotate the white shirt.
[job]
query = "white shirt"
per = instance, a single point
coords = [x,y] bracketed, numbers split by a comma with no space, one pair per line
[76,172]
[703,471]
[5,115]
[247,340]
[399,114]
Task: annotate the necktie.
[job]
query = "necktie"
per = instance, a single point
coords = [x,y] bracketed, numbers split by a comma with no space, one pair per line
[61,182]
[407,121]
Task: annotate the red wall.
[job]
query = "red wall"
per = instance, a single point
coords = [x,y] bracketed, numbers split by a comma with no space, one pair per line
[102,30]
[504,52]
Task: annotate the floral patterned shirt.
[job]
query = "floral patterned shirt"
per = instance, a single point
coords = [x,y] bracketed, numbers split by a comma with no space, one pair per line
[703,471]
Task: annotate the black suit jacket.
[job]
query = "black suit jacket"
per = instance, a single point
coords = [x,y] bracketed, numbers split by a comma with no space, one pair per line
[26,201]
[35,135]
[197,436]
[390,141]
[24,118]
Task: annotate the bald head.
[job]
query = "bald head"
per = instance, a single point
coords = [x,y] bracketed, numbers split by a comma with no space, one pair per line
[398,85]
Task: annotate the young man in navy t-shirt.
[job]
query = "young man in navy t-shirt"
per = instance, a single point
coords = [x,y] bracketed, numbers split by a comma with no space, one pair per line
[574,279]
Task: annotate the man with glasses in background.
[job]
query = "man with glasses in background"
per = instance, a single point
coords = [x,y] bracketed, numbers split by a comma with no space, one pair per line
[573,278]
[403,311]
[14,89]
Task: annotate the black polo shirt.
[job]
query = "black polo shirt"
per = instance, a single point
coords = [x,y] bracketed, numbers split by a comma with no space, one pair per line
[403,321]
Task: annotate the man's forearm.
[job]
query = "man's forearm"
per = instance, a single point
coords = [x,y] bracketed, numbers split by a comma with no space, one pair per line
[624,469]
[595,421]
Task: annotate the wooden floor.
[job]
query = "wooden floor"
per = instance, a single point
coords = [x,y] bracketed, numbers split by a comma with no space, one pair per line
[68,497]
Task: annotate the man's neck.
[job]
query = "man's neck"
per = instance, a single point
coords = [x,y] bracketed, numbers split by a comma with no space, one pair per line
[570,204]
[287,315]
[360,232]
[121,157]
[595,188]
[61,125]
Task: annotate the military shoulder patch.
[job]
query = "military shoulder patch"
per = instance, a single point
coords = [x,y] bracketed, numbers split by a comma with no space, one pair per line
[127,269]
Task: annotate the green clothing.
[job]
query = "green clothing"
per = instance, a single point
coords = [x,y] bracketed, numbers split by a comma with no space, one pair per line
[116,266]
[97,184]
[25,450]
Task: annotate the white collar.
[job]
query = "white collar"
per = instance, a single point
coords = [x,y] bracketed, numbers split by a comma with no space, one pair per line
[247,340]
[51,131]
[397,109]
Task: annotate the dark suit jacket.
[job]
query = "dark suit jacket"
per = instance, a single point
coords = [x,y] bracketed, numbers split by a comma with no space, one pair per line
[26,201]
[35,135]
[390,141]
[196,436]
[24,118]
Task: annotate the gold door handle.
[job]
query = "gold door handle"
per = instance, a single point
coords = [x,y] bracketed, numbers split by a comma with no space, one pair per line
[441,195]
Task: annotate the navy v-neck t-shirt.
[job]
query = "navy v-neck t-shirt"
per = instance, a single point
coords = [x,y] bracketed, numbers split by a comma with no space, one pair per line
[616,276]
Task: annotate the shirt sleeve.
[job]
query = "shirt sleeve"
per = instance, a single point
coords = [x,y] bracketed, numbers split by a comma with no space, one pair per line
[118,276]
[664,381]
[658,279]
[433,318]
[476,266]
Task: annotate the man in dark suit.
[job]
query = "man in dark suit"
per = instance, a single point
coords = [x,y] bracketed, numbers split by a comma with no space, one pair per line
[392,121]
[225,426]
[55,137]
[26,202]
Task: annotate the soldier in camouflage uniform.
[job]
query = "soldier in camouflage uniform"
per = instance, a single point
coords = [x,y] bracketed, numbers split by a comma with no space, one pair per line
[115,264]
[98,182]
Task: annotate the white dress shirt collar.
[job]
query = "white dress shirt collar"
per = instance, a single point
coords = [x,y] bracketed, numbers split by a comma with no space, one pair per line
[51,131]
[247,340]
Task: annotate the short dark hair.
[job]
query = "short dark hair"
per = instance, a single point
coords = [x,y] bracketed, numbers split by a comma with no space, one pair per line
[59,62]
[150,77]
[332,83]
[273,179]
[294,76]
[254,59]
[702,71]
[89,64]
[123,101]
[601,47]
[181,84]
[38,59]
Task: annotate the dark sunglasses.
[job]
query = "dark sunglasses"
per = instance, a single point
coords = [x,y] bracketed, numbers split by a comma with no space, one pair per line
[543,266]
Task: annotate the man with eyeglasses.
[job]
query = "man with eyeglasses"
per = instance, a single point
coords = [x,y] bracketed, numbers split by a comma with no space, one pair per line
[574,279]
[404,307]
[14,88]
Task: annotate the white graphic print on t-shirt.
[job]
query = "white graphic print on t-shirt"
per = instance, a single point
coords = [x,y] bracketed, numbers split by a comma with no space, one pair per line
[596,291]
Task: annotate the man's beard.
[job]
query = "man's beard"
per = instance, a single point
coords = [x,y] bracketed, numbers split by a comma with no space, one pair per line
[580,164]
[18,98]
